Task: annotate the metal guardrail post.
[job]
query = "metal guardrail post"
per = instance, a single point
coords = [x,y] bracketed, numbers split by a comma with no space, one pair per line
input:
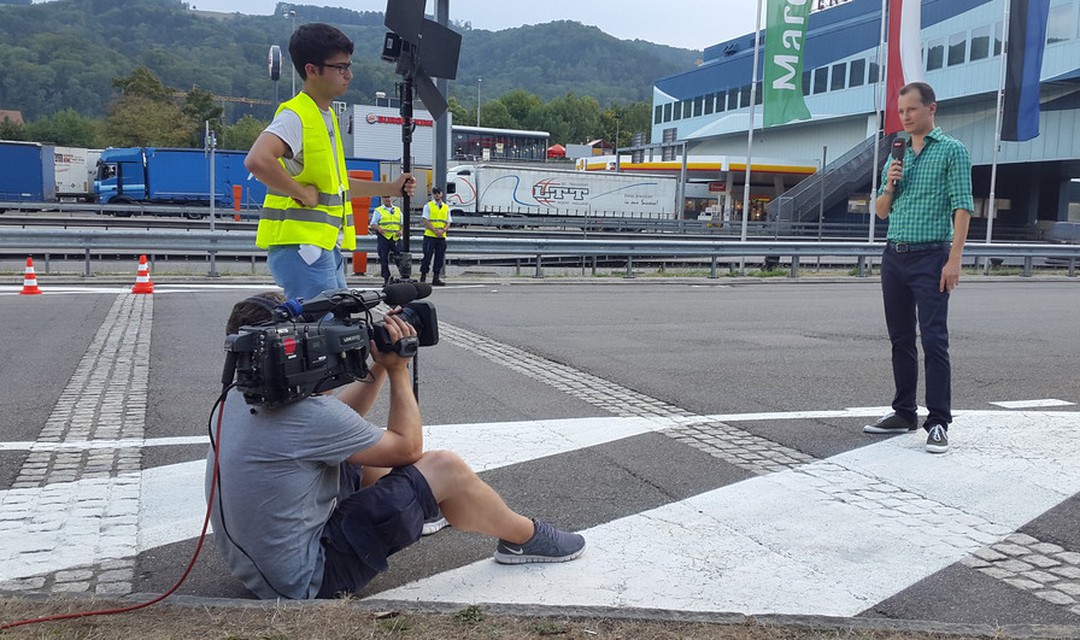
[794,267]
[1027,266]
[253,264]
[594,265]
[213,265]
[517,266]
[712,268]
[861,267]
[629,267]
[46,263]
[87,271]
[539,267]
[1072,267]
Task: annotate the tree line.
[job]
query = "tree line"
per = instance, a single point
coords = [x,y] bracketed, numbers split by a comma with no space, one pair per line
[62,64]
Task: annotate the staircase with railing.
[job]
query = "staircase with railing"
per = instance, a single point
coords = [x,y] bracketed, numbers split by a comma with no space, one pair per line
[832,185]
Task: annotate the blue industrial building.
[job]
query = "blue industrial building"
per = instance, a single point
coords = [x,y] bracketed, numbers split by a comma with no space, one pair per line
[708,108]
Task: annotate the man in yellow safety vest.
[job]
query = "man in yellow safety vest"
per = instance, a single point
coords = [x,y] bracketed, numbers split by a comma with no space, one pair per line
[386,221]
[307,217]
[436,223]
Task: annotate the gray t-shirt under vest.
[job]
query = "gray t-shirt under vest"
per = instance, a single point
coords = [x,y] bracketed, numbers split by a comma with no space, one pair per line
[279,484]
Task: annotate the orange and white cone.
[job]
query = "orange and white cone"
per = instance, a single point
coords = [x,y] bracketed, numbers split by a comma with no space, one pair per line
[29,285]
[142,278]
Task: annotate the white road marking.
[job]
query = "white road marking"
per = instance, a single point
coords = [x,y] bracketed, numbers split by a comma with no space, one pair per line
[1033,404]
[806,541]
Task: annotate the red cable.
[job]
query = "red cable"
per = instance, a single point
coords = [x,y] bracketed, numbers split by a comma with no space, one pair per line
[190,566]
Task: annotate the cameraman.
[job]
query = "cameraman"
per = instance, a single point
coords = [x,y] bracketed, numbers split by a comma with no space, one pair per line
[298,521]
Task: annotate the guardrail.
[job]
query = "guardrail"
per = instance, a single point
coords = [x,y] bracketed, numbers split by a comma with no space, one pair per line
[242,242]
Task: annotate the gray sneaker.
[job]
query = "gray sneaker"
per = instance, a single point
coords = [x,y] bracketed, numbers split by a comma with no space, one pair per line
[548,544]
[891,423]
[434,525]
[938,439]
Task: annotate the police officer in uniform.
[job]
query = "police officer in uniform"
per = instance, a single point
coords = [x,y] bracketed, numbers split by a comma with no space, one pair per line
[436,223]
[386,223]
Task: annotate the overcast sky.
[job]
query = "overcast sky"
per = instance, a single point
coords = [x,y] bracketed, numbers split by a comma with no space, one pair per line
[690,24]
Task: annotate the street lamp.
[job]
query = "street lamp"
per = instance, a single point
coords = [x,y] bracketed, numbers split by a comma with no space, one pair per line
[618,119]
[292,14]
[478,81]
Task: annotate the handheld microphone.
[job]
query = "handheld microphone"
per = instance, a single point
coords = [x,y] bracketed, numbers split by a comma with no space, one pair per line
[898,149]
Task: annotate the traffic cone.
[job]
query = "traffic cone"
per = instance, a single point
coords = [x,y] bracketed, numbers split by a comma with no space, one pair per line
[29,285]
[142,278]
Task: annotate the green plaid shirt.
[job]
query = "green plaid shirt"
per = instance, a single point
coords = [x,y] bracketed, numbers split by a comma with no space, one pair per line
[936,183]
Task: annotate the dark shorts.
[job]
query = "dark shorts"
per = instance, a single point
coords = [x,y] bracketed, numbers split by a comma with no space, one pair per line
[372,524]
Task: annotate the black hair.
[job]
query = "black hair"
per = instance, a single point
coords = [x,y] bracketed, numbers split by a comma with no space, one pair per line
[254,310]
[436,190]
[313,43]
[926,92]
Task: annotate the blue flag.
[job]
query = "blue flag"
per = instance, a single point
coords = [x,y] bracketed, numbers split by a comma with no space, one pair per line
[1027,41]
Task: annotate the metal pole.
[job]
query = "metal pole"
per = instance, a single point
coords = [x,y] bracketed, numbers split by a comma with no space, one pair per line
[478,81]
[442,125]
[750,134]
[877,123]
[617,159]
[211,141]
[821,199]
[292,14]
[999,116]
[680,206]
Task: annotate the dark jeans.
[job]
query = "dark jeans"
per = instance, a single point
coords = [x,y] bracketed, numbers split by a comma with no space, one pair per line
[433,247]
[386,249]
[910,285]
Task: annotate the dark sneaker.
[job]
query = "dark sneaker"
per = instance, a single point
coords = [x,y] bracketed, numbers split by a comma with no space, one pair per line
[436,282]
[423,277]
[938,439]
[548,544]
[434,525]
[892,423]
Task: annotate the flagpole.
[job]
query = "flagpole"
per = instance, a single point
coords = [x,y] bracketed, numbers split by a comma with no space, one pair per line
[750,134]
[877,123]
[998,117]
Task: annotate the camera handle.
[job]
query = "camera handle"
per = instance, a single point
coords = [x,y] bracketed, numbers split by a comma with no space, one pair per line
[416,376]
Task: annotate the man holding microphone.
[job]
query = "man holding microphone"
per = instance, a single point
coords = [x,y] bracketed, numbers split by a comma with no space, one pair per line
[926,196]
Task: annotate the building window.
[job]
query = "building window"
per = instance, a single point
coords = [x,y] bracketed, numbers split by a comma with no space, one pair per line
[957,48]
[744,96]
[1060,24]
[806,82]
[821,80]
[721,100]
[659,117]
[732,99]
[997,39]
[980,43]
[699,106]
[667,112]
[839,76]
[759,95]
[857,77]
[873,73]
[677,115]
[687,108]
[935,54]
[710,103]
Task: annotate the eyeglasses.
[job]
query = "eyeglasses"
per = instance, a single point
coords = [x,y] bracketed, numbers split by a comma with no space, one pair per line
[342,67]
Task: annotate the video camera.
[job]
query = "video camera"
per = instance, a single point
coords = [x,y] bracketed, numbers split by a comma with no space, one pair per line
[316,345]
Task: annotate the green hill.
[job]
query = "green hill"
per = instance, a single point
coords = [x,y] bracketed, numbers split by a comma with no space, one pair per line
[65,54]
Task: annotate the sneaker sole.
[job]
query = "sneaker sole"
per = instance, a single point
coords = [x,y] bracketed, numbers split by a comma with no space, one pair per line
[934,448]
[434,527]
[873,428]
[507,558]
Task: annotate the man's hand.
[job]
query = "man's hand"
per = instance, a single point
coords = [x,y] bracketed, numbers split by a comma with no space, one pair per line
[896,173]
[950,276]
[309,195]
[405,185]
[397,329]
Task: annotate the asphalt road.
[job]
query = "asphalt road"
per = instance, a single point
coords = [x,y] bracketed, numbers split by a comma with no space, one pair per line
[771,348]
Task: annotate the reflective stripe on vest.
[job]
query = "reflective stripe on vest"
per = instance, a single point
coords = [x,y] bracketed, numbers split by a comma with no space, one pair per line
[437,216]
[390,222]
[286,221]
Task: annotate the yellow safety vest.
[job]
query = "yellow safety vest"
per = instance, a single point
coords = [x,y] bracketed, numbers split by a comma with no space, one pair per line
[286,221]
[390,222]
[437,216]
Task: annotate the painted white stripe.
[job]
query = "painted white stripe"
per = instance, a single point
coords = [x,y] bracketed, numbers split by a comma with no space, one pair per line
[799,541]
[1032,404]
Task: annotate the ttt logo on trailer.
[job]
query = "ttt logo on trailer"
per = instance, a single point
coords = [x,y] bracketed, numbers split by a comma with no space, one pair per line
[549,192]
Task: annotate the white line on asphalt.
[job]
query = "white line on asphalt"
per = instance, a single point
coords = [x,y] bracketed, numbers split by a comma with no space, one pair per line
[1033,404]
[830,538]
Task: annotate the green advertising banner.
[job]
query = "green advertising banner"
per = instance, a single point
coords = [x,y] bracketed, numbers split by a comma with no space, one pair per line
[785,35]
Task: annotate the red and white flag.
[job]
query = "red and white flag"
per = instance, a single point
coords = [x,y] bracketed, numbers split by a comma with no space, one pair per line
[905,55]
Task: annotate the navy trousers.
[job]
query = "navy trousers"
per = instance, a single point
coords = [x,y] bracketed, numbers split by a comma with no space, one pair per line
[386,249]
[433,248]
[910,285]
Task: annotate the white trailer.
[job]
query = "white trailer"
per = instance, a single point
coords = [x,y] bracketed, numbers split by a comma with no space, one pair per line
[533,191]
[76,170]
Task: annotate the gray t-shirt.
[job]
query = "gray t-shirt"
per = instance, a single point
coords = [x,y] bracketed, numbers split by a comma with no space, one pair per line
[279,478]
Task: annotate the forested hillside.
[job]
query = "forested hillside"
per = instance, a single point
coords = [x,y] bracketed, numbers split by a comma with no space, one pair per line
[66,54]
